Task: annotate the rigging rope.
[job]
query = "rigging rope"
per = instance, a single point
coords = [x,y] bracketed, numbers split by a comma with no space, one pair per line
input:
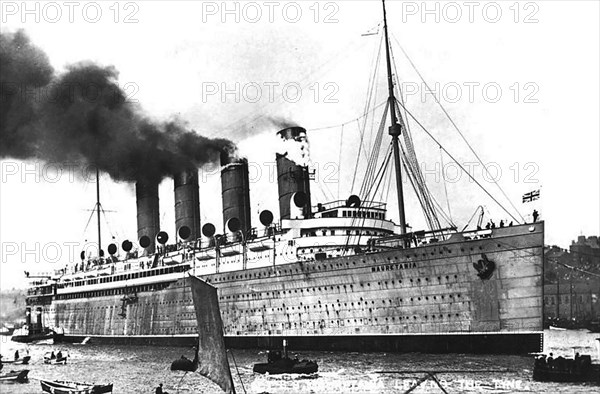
[310,78]
[414,170]
[340,163]
[445,186]
[372,164]
[459,132]
[459,165]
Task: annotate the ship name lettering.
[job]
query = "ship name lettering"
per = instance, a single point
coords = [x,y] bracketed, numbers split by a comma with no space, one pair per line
[391,267]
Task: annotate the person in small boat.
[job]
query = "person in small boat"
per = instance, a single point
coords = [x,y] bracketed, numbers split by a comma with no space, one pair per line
[59,355]
[159,390]
[16,354]
[52,355]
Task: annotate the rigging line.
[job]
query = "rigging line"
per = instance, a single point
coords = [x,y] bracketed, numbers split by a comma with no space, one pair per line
[411,157]
[350,121]
[238,372]
[428,200]
[357,219]
[459,132]
[412,182]
[258,114]
[382,170]
[340,163]
[571,267]
[372,86]
[375,153]
[370,177]
[106,220]
[445,185]
[331,195]
[361,144]
[441,211]
[379,175]
[322,190]
[459,165]
[389,186]
[90,218]
[472,216]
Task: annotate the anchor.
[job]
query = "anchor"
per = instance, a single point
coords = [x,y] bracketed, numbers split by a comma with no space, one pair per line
[485,267]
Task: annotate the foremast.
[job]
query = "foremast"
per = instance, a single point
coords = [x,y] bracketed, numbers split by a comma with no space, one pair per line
[396,127]
[98,207]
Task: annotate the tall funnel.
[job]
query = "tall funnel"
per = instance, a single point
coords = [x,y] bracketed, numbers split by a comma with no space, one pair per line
[293,178]
[38,316]
[146,193]
[235,187]
[187,205]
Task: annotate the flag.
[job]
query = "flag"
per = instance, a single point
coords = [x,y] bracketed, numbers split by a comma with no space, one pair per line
[531,196]
[213,361]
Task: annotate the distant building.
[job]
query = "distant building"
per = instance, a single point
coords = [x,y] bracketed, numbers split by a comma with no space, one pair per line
[572,281]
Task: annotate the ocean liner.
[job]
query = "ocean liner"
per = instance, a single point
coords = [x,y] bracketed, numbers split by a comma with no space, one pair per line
[338,275]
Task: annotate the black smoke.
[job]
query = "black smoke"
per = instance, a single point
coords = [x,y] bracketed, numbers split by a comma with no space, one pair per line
[83,116]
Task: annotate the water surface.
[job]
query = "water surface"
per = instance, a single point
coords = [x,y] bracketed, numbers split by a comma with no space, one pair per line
[139,369]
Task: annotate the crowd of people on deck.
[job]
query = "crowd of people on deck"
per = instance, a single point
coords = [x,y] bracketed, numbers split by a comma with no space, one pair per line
[491,224]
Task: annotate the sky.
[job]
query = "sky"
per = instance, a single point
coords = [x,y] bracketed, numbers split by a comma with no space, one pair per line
[520,80]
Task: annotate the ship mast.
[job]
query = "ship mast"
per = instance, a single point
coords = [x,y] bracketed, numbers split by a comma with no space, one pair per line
[98,209]
[395,128]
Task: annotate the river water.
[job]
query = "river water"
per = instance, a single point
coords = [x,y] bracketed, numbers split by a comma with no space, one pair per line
[139,370]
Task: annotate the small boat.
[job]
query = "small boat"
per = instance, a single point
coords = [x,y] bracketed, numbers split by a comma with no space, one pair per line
[68,387]
[557,328]
[14,376]
[6,331]
[278,364]
[59,358]
[21,360]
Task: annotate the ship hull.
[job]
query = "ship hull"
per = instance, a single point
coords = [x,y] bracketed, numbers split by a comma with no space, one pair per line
[488,343]
[430,299]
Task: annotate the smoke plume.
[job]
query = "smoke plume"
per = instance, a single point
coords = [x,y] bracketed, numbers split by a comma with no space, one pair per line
[83,116]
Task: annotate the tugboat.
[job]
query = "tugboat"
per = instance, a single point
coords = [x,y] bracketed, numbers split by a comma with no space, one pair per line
[26,335]
[35,331]
[561,369]
[278,364]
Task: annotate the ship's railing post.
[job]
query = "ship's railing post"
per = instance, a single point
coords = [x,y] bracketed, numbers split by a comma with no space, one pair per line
[244,251]
[217,253]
